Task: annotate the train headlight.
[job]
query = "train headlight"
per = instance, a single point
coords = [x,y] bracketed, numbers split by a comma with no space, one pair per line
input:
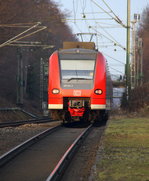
[55,91]
[98,91]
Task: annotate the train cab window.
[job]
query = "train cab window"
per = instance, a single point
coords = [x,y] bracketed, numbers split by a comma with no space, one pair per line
[77,74]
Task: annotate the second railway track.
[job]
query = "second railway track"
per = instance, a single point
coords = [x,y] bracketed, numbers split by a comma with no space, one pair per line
[30,121]
[40,159]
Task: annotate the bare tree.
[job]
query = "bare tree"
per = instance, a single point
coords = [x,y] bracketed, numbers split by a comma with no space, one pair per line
[27,13]
[143,32]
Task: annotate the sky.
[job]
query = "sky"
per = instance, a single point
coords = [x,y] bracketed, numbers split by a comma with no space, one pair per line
[94,16]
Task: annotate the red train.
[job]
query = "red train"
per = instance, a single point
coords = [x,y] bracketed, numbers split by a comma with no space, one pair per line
[79,83]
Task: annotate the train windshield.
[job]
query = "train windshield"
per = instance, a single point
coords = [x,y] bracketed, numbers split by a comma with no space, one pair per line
[77,74]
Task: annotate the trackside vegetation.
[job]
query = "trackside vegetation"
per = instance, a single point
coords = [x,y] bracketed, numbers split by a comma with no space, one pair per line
[125,151]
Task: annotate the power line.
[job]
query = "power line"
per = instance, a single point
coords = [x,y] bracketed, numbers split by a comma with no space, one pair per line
[94,12]
[116,70]
[83,14]
[18,25]
[113,58]
[77,27]
[117,18]
[102,8]
[14,38]
[115,42]
[83,5]
[34,32]
[80,19]
[109,35]
[30,44]
[20,35]
[108,25]
[74,11]
[114,18]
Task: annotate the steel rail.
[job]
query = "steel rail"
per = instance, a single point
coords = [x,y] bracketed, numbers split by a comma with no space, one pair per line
[18,109]
[21,147]
[30,121]
[58,171]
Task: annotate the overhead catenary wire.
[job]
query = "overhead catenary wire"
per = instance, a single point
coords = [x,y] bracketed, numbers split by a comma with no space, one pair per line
[102,8]
[83,13]
[118,19]
[93,15]
[18,25]
[111,36]
[74,11]
[20,35]
[12,39]
[90,19]
[34,32]
[114,18]
[113,58]
[115,70]
[106,14]
[32,45]
[83,3]
[108,25]
[115,42]
[94,12]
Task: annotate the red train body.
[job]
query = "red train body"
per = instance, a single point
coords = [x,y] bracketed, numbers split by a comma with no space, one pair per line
[79,84]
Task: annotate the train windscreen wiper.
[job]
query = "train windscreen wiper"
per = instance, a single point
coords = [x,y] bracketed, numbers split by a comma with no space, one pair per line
[77,78]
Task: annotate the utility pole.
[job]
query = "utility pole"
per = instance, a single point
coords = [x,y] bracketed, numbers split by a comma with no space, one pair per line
[133,60]
[43,85]
[139,62]
[135,53]
[41,79]
[20,78]
[128,86]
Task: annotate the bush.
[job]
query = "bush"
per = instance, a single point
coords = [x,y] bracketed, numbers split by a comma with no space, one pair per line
[138,99]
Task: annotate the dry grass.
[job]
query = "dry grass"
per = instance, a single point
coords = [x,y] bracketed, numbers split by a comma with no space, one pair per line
[125,153]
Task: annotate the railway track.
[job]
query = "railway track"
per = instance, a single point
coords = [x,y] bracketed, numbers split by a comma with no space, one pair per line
[30,121]
[43,157]
[14,109]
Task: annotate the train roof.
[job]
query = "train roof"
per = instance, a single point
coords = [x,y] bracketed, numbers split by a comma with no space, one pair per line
[84,45]
[77,53]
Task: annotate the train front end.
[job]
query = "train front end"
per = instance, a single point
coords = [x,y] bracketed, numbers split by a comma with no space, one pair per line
[77,84]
